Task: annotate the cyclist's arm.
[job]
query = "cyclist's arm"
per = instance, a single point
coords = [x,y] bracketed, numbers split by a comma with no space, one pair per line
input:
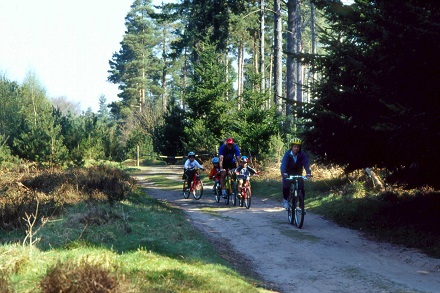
[220,162]
[237,154]
[283,168]
[305,162]
[252,170]
[198,165]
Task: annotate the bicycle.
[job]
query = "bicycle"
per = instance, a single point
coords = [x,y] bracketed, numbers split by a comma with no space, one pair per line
[296,211]
[217,190]
[245,196]
[231,189]
[196,187]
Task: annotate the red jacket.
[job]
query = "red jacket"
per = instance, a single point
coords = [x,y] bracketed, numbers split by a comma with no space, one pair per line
[214,172]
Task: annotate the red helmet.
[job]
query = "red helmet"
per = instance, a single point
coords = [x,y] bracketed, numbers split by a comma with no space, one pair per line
[229,141]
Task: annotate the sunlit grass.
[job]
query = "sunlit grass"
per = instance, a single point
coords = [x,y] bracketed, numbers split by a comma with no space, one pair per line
[144,244]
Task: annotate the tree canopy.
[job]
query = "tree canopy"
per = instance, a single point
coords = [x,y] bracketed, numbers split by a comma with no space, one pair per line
[376,103]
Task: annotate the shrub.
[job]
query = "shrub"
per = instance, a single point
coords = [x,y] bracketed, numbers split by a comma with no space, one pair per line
[83,277]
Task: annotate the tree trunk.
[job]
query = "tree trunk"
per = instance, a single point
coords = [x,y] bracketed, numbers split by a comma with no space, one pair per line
[262,68]
[164,71]
[290,62]
[299,79]
[278,73]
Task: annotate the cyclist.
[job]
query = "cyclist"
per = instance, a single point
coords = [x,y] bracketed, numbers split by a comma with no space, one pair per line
[189,168]
[293,163]
[229,155]
[214,174]
[243,172]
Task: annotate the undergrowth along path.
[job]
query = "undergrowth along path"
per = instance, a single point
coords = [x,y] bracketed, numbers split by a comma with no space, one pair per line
[321,257]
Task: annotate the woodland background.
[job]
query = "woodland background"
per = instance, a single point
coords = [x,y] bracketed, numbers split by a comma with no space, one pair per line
[356,82]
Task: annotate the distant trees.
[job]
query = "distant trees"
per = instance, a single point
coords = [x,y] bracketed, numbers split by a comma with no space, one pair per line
[195,72]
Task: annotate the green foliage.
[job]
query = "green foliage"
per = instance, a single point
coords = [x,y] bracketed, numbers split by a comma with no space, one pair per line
[138,137]
[209,115]
[9,108]
[200,138]
[256,127]
[375,101]
[170,135]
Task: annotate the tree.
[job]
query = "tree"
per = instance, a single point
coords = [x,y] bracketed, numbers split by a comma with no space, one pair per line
[39,137]
[206,101]
[376,104]
[136,67]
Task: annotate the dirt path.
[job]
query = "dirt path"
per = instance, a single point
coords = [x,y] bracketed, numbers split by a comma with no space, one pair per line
[321,257]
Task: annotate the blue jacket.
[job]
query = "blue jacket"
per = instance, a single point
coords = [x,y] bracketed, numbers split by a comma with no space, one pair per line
[289,166]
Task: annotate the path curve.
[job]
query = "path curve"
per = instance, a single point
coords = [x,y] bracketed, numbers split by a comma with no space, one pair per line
[321,257]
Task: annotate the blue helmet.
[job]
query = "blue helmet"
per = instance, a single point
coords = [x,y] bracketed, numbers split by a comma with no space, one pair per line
[244,159]
[215,160]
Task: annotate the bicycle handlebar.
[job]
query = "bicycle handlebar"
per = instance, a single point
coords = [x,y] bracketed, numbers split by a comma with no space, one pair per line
[293,177]
[194,168]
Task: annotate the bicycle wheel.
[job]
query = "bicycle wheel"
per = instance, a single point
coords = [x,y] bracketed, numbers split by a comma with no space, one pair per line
[240,199]
[247,198]
[234,193]
[218,191]
[227,198]
[198,189]
[292,205]
[299,210]
[185,191]
[228,190]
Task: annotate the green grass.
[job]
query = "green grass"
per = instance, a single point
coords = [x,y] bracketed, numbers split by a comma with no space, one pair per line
[143,244]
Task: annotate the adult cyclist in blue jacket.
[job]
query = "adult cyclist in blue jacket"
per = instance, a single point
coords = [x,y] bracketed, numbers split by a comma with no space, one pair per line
[229,155]
[293,163]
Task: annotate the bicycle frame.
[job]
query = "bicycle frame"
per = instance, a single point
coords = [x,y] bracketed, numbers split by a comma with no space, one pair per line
[196,187]
[245,194]
[296,210]
[230,187]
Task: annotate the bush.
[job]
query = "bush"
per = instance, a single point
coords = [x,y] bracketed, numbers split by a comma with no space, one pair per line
[84,277]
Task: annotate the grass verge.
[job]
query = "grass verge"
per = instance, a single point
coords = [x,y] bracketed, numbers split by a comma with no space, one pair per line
[137,244]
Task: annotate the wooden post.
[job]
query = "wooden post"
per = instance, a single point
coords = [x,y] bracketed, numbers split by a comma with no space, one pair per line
[137,155]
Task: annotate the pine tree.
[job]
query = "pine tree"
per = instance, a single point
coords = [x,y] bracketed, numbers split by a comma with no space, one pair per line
[376,102]
[136,66]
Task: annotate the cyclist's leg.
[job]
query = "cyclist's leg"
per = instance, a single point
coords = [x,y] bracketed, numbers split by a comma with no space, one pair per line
[240,183]
[222,181]
[190,175]
[286,192]
[301,186]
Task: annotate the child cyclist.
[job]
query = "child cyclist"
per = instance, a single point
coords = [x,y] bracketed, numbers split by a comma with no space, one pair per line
[243,172]
[189,168]
[215,174]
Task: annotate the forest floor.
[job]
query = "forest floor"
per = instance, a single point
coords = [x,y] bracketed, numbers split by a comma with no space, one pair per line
[321,257]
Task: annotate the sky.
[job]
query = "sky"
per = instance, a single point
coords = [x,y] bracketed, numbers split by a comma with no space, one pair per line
[67,44]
